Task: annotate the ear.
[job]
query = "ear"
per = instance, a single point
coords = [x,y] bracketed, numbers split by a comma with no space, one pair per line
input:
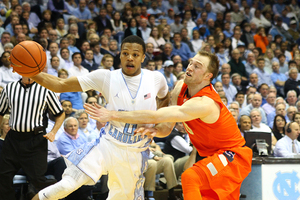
[143,58]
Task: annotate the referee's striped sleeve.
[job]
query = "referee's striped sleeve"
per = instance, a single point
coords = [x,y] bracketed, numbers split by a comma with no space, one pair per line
[3,102]
[53,103]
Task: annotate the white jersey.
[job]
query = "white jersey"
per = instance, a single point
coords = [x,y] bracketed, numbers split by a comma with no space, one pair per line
[124,93]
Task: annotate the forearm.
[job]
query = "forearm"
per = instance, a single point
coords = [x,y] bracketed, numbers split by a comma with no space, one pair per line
[164,102]
[280,83]
[164,129]
[56,84]
[144,116]
[58,122]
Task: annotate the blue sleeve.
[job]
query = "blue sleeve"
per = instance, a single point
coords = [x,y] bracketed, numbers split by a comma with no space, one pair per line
[64,145]
[273,78]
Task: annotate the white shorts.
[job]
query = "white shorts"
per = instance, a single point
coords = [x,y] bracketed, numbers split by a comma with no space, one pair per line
[124,165]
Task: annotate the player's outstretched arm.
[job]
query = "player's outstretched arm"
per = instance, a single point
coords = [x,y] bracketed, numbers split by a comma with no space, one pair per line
[56,84]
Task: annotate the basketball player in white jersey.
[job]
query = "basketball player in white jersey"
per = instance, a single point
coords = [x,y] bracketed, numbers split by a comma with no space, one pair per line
[118,152]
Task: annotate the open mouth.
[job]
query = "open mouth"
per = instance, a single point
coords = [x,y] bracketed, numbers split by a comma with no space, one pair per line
[188,74]
[130,66]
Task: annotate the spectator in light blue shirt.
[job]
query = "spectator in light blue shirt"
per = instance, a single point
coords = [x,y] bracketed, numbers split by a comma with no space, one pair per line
[70,139]
[182,49]
[278,78]
[82,12]
[263,77]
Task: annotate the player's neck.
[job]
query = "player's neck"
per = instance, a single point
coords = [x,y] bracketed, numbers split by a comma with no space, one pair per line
[194,89]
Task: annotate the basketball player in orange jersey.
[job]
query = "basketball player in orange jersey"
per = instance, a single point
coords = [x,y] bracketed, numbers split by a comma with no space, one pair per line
[211,127]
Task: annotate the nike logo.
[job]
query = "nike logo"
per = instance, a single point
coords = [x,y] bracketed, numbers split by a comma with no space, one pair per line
[117,95]
[45,195]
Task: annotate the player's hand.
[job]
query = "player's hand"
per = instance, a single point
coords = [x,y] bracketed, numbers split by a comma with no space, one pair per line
[150,132]
[98,112]
[50,136]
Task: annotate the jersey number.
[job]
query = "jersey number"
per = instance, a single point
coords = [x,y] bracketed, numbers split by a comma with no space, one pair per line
[129,128]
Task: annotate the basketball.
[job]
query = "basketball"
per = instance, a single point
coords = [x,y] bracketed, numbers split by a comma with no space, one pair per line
[28,58]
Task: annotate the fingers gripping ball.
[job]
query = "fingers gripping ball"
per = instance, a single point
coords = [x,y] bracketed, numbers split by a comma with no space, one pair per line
[28,58]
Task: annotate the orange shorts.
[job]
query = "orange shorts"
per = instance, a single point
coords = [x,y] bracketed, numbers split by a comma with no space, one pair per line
[221,175]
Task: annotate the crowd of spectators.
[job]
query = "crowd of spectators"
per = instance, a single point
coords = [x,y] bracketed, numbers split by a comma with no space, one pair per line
[257,43]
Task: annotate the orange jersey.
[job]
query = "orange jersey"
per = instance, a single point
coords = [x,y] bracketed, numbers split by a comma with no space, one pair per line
[220,136]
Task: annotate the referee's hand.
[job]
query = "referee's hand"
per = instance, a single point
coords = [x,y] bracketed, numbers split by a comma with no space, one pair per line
[50,136]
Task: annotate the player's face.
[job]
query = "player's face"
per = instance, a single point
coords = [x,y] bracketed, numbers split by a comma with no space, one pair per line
[196,71]
[131,58]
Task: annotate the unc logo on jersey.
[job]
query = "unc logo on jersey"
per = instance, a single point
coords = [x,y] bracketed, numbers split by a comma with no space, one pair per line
[79,151]
[187,128]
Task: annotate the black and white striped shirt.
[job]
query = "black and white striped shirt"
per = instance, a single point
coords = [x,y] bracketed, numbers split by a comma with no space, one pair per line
[28,105]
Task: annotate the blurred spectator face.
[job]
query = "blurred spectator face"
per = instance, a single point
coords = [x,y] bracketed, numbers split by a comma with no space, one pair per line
[204,16]
[253,78]
[108,33]
[144,10]
[18,29]
[211,40]
[225,68]
[47,16]
[74,30]
[196,35]
[53,35]
[228,17]
[92,100]
[250,58]
[210,23]
[151,66]
[150,48]
[280,123]
[236,54]
[188,15]
[143,23]
[297,118]
[295,131]
[64,44]
[273,90]
[89,55]
[245,123]
[82,5]
[65,54]
[108,62]
[207,7]
[291,111]
[236,80]
[293,74]
[113,46]
[184,33]
[275,67]
[179,126]
[271,98]
[226,79]
[291,98]
[235,107]
[234,114]
[15,20]
[25,16]
[256,101]
[249,98]
[85,46]
[220,16]
[55,62]
[264,90]
[240,98]
[237,35]
[53,48]
[255,118]
[177,59]
[5,59]
[280,109]
[218,86]
[102,13]
[21,37]
[67,106]
[77,60]
[178,68]
[83,120]
[72,127]
[5,38]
